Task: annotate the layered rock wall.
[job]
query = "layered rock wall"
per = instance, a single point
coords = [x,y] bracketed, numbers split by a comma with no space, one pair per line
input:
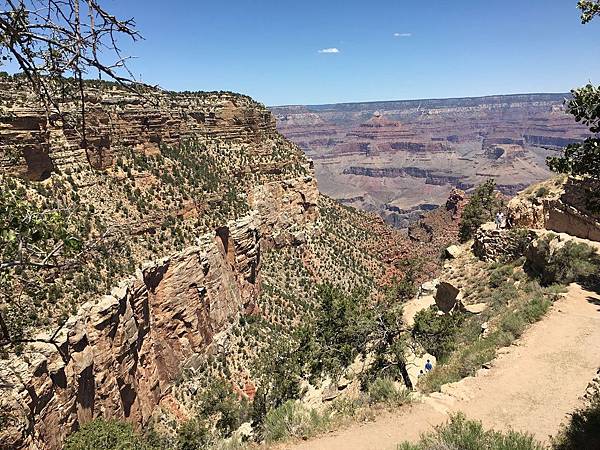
[118,356]
[566,211]
[36,143]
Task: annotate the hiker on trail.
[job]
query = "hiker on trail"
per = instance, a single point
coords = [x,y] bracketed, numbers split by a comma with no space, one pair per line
[420,373]
[509,221]
[428,366]
[499,220]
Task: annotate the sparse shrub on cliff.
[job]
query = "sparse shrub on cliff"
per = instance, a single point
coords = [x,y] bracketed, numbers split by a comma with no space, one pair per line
[463,434]
[542,192]
[405,288]
[221,405]
[193,434]
[291,419]
[278,372]
[107,435]
[482,207]
[342,328]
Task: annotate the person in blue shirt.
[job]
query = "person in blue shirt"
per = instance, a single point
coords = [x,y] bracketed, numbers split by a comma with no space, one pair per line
[428,366]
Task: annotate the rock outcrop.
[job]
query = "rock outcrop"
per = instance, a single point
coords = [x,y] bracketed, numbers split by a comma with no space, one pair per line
[119,355]
[563,209]
[491,244]
[35,144]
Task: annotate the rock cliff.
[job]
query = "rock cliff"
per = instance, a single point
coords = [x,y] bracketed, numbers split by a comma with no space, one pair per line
[199,185]
[36,144]
[560,205]
[204,239]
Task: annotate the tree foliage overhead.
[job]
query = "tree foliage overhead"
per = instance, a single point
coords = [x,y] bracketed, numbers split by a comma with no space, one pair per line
[589,9]
[50,39]
[58,43]
[583,158]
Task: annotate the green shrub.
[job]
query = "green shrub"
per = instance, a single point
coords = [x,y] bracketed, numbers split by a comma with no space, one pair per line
[542,192]
[572,262]
[346,407]
[503,295]
[383,390]
[221,404]
[513,323]
[499,275]
[106,435]
[536,308]
[436,333]
[292,420]
[193,435]
[462,434]
[482,206]
[582,432]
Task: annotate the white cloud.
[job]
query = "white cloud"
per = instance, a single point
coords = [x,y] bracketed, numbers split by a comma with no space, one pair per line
[329,50]
[402,34]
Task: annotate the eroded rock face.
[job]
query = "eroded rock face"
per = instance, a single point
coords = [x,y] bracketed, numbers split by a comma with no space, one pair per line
[118,357]
[286,208]
[34,144]
[564,212]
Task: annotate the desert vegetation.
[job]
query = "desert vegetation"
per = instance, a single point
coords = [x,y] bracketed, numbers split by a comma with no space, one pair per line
[515,299]
[483,204]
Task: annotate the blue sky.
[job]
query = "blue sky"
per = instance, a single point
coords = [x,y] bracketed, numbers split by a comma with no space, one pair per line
[270,49]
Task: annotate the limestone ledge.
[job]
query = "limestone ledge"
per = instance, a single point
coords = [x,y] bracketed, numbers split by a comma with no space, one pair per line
[562,212]
[34,144]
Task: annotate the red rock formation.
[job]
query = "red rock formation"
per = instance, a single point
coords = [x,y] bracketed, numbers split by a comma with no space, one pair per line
[119,355]
[362,150]
[34,143]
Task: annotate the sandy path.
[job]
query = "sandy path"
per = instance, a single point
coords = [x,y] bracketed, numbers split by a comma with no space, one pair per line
[532,385]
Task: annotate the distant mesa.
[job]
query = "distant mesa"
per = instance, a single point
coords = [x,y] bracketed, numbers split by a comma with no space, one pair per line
[413,152]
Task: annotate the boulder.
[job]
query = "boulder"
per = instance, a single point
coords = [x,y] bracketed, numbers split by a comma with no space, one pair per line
[476,308]
[428,288]
[447,297]
[485,329]
[453,252]
[245,431]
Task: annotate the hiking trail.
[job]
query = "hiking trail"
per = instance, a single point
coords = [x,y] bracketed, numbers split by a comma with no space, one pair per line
[531,386]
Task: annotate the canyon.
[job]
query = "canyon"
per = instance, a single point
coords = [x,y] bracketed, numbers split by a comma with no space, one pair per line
[204,238]
[402,158]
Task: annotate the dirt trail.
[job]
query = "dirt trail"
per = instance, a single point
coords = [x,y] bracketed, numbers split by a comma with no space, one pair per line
[532,385]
